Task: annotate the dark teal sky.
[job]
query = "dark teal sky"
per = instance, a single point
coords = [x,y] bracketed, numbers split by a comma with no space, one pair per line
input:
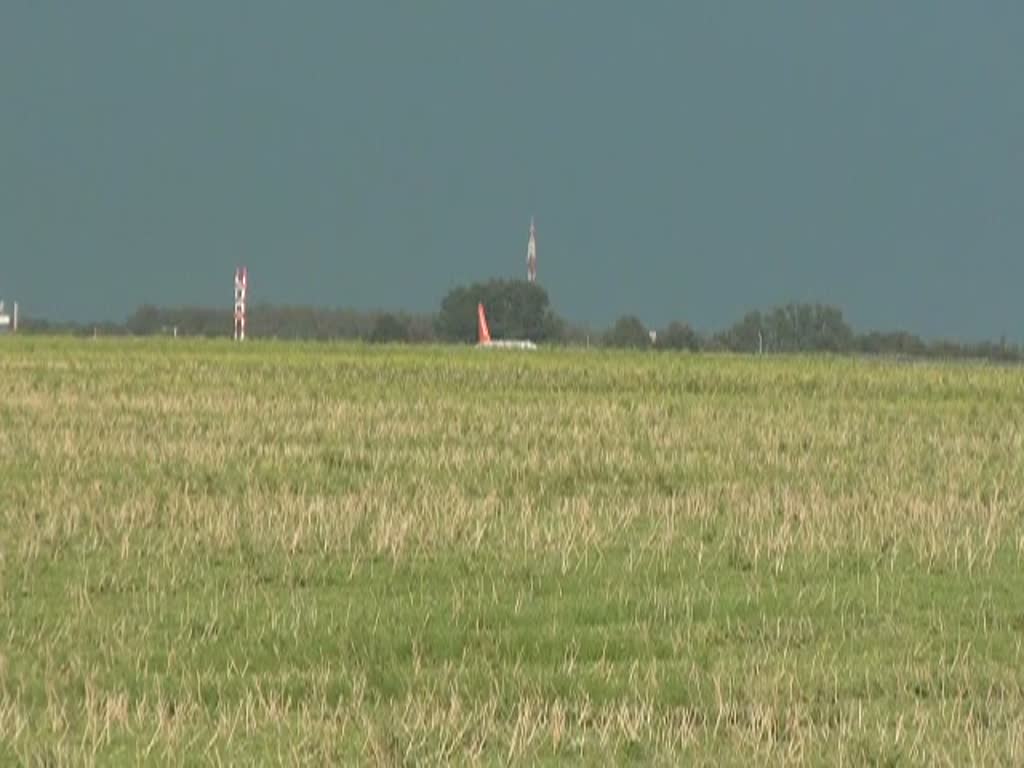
[685,160]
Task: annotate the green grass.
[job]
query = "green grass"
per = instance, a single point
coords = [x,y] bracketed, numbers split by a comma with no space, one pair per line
[337,553]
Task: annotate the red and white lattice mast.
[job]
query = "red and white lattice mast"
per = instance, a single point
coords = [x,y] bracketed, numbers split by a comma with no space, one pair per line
[241,288]
[531,254]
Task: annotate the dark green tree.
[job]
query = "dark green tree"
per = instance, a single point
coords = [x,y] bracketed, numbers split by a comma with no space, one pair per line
[678,336]
[628,332]
[791,328]
[515,310]
[746,335]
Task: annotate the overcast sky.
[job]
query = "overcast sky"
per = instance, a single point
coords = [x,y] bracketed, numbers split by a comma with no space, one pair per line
[684,160]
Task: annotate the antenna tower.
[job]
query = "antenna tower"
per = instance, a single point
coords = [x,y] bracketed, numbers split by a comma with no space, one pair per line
[531,254]
[241,289]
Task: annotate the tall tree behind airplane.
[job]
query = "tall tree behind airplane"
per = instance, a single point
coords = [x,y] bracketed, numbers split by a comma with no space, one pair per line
[515,310]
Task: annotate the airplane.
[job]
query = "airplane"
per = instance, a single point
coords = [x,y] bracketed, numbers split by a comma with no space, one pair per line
[484,340]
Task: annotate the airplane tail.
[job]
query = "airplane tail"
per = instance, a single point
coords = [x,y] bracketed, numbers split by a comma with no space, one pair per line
[482,331]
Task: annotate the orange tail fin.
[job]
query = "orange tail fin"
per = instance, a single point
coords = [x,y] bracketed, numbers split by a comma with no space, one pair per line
[482,331]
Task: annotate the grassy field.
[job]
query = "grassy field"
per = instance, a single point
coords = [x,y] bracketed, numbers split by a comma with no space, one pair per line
[335,554]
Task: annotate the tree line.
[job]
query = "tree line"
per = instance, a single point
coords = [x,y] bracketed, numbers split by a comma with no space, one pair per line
[517,309]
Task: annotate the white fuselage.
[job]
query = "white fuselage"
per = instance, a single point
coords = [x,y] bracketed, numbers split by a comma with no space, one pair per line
[507,344]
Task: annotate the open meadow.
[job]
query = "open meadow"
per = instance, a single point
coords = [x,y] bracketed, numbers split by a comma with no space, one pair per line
[341,553]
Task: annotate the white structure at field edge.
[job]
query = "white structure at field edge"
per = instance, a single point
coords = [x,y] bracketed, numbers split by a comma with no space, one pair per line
[8,322]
